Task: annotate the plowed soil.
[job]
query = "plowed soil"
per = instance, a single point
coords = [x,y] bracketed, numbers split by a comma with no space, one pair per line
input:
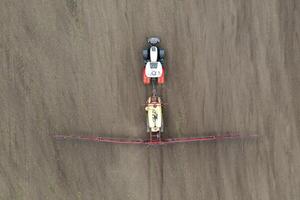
[73,67]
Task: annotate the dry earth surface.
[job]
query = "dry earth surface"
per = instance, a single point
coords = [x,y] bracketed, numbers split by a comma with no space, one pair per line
[74,67]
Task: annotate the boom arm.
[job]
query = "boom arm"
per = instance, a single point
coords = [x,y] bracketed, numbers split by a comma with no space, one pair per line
[206,138]
[152,142]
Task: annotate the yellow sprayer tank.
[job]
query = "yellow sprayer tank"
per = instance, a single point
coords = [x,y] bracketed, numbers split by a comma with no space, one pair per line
[154,114]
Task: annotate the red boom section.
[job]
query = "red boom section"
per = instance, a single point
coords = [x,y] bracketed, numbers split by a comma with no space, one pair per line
[99,139]
[207,138]
[153,142]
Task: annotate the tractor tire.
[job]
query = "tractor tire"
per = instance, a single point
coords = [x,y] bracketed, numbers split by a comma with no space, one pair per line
[162,54]
[145,54]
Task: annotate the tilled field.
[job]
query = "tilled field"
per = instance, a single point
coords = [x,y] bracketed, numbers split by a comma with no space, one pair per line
[74,67]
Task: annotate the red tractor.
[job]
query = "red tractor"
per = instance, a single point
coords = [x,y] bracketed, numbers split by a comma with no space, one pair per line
[153,56]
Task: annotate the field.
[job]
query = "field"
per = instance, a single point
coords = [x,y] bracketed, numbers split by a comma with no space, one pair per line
[74,67]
